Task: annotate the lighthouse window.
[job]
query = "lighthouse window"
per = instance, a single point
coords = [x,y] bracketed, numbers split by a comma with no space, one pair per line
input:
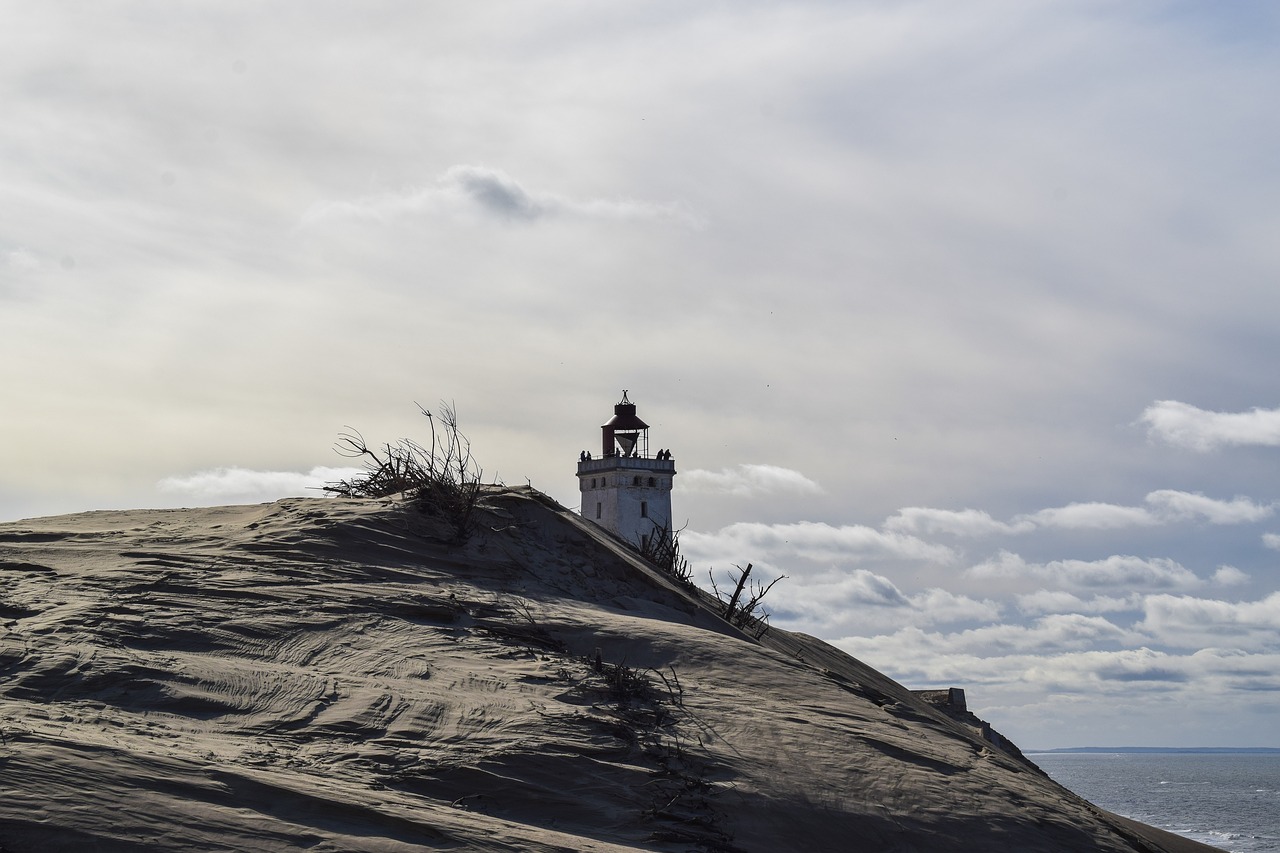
[644,509]
[593,482]
[635,481]
[597,510]
[651,482]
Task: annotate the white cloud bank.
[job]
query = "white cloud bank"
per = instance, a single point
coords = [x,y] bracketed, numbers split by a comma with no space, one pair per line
[965,522]
[778,544]
[1060,656]
[240,483]
[1197,623]
[1184,425]
[1163,506]
[1118,571]
[464,192]
[1230,576]
[748,481]
[1060,601]
[1089,516]
[863,601]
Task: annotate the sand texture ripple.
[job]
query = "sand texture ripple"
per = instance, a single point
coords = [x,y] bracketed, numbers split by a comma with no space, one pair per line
[329,675]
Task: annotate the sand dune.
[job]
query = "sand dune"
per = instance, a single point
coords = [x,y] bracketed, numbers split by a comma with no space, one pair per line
[325,675]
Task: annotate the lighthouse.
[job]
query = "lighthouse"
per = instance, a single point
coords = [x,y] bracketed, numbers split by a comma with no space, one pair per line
[626,490]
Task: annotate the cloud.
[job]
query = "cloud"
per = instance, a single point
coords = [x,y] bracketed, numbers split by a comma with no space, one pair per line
[965,522]
[1053,658]
[1271,540]
[807,540]
[748,481]
[1238,669]
[495,192]
[1230,576]
[1184,425]
[226,483]
[464,192]
[1187,622]
[862,601]
[1116,571]
[988,654]
[1170,505]
[1141,665]
[1051,633]
[1091,516]
[1164,506]
[1061,601]
[1114,672]
[862,587]
[940,606]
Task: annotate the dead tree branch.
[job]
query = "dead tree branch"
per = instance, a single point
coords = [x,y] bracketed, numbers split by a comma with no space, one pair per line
[745,614]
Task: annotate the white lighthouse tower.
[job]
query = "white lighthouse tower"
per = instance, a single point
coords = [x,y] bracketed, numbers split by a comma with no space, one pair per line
[626,490]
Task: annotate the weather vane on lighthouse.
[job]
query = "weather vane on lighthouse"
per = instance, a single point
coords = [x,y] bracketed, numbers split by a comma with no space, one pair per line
[626,490]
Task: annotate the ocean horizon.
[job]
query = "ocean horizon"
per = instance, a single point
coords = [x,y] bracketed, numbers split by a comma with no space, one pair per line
[1184,750]
[1228,797]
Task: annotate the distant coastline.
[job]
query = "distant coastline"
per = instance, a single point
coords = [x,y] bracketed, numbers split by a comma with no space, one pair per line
[1179,750]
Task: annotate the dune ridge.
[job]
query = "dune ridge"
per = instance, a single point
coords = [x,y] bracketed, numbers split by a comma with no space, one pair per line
[326,674]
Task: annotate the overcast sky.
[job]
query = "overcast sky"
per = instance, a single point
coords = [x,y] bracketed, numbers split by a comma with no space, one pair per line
[963,315]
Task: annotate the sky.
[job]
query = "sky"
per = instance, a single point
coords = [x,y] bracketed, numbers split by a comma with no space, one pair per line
[961,315]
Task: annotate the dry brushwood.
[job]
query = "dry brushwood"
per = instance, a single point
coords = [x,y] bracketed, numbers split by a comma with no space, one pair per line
[662,548]
[746,614]
[442,479]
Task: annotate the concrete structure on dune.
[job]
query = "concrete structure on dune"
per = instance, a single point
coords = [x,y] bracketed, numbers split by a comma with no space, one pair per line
[626,490]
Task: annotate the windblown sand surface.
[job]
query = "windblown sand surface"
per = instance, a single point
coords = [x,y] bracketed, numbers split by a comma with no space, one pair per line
[325,675]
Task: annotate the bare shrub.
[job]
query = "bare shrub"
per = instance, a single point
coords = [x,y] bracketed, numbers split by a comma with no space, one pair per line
[745,613]
[662,548]
[442,479]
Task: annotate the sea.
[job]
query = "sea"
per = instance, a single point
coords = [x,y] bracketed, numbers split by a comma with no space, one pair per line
[1231,800]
